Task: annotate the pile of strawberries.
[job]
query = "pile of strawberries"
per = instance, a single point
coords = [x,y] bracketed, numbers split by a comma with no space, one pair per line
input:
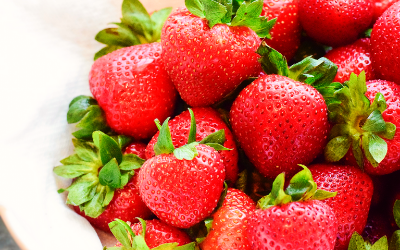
[283,132]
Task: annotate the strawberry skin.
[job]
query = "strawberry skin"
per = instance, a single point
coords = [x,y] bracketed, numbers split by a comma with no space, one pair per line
[133,89]
[207,64]
[126,205]
[136,148]
[335,22]
[229,228]
[352,202]
[280,123]
[381,6]
[296,225]
[352,58]
[182,192]
[385,45]
[286,32]
[391,92]
[158,233]
[208,121]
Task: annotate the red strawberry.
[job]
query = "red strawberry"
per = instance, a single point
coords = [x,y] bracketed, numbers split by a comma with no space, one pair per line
[133,89]
[294,218]
[385,45]
[208,121]
[229,227]
[207,59]
[136,148]
[126,205]
[351,204]
[381,6]
[280,123]
[286,32]
[158,233]
[335,22]
[352,58]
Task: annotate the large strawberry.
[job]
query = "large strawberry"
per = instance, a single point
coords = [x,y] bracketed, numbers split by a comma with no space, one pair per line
[209,47]
[335,22]
[208,121]
[352,58]
[286,33]
[133,88]
[381,6]
[351,204]
[103,188]
[182,186]
[366,123]
[279,121]
[385,44]
[295,218]
[230,222]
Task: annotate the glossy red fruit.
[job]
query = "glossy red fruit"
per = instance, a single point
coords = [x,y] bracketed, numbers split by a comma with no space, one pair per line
[158,233]
[391,92]
[381,6]
[352,202]
[133,88]
[229,227]
[280,123]
[385,45]
[335,22]
[207,64]
[137,148]
[126,205]
[352,58]
[182,192]
[208,121]
[296,225]
[286,32]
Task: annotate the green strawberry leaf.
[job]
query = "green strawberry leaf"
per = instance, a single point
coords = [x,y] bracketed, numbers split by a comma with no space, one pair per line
[137,17]
[121,232]
[272,61]
[195,7]
[187,152]
[301,184]
[109,196]
[241,183]
[85,150]
[106,50]
[131,162]
[110,174]
[381,244]
[192,132]
[72,171]
[122,140]
[78,108]
[217,146]
[396,212]
[216,137]
[337,148]
[367,33]
[94,207]
[164,143]
[389,132]
[121,36]
[323,195]
[221,200]
[395,241]
[365,145]
[277,195]
[158,18]
[357,242]
[357,152]
[166,246]
[189,246]
[377,147]
[379,103]
[214,12]
[82,190]
[108,147]
[374,123]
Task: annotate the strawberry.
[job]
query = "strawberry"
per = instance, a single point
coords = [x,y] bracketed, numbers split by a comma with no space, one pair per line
[182,186]
[366,123]
[295,218]
[335,22]
[381,6]
[136,148]
[148,235]
[104,185]
[229,226]
[286,32]
[385,44]
[352,58]
[351,204]
[208,121]
[281,122]
[133,89]
[209,47]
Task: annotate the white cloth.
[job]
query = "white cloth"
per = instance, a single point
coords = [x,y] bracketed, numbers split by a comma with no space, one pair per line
[47,49]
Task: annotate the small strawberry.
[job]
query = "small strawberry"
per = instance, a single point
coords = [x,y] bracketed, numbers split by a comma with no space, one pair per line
[229,226]
[104,183]
[286,33]
[156,235]
[366,123]
[385,44]
[208,121]
[351,204]
[335,22]
[352,58]
[133,89]
[182,186]
[279,121]
[295,218]
[209,47]
[136,148]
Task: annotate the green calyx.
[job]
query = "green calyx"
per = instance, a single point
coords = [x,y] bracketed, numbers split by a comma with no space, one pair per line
[233,13]
[124,234]
[92,190]
[137,26]
[301,188]
[357,243]
[359,125]
[317,73]
[164,143]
